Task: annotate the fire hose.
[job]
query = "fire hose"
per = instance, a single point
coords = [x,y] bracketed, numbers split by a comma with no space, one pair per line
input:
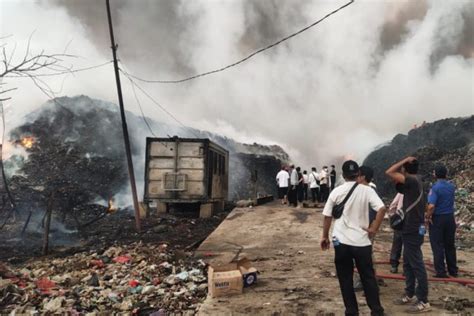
[462,281]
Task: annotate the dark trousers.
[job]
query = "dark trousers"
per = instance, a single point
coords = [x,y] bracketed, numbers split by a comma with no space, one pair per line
[397,246]
[344,260]
[324,193]
[414,267]
[292,196]
[442,236]
[305,192]
[299,191]
[315,194]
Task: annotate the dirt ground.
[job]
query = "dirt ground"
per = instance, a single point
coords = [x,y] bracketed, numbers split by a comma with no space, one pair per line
[296,276]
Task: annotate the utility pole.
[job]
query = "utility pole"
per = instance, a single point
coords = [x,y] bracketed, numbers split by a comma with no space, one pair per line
[131,174]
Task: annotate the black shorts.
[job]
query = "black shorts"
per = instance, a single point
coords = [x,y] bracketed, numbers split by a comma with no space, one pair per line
[282,192]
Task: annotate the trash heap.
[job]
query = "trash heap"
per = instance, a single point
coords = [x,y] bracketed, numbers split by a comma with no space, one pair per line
[449,142]
[138,278]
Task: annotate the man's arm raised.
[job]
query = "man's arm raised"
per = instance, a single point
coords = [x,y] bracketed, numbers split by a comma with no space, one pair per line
[394,173]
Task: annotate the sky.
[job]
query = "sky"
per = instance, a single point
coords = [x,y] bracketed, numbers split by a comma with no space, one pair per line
[340,89]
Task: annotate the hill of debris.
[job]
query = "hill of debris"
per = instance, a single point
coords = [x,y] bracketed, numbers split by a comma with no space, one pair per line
[75,144]
[449,142]
[430,143]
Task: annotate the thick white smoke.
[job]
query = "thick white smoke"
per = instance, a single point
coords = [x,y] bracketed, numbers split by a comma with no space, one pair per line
[373,70]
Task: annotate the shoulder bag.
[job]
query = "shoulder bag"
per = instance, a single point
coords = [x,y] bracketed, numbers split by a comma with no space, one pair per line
[397,219]
[338,209]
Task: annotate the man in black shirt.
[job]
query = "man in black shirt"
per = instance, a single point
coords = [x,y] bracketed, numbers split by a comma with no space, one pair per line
[404,173]
[333,177]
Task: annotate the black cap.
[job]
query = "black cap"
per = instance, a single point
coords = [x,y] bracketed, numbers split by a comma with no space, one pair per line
[350,168]
[440,171]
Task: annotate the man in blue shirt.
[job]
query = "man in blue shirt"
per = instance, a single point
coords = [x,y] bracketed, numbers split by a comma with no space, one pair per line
[440,215]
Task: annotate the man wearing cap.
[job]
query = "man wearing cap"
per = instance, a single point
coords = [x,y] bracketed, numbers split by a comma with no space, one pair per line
[405,174]
[440,215]
[352,238]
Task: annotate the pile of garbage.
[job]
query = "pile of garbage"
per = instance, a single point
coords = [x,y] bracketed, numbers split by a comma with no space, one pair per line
[75,144]
[138,278]
[445,140]
[449,142]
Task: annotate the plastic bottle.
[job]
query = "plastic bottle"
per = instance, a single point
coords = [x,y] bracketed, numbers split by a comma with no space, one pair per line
[422,230]
[335,241]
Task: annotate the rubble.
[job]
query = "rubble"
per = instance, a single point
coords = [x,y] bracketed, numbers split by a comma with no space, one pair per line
[148,282]
[449,142]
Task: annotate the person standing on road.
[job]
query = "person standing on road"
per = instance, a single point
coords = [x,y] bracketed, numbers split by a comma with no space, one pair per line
[440,216]
[397,241]
[305,185]
[366,174]
[352,238]
[292,191]
[333,177]
[282,179]
[313,185]
[325,183]
[404,173]
[299,187]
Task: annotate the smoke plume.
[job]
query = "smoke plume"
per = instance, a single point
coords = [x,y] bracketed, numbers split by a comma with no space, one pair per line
[372,70]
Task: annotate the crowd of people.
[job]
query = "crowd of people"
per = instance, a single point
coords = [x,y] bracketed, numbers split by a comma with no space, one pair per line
[412,213]
[294,185]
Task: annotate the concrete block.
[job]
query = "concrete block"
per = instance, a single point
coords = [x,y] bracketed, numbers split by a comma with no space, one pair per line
[206,210]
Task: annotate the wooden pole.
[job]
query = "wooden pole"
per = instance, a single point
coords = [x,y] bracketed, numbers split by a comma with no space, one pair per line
[126,139]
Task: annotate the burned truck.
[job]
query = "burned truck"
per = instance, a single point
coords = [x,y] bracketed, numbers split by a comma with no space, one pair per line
[186,170]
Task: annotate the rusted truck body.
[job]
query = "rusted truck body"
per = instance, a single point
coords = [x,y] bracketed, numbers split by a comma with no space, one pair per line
[186,170]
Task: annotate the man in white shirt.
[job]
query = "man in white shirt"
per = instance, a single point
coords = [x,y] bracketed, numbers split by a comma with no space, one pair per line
[305,185]
[352,238]
[292,191]
[325,181]
[313,179]
[282,179]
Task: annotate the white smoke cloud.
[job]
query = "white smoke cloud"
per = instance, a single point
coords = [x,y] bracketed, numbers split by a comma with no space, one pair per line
[373,70]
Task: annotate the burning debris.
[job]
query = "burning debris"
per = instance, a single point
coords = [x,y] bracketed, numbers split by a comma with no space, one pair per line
[27,142]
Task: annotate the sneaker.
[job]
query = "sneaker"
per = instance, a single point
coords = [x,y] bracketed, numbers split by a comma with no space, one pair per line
[418,308]
[440,276]
[405,300]
[394,269]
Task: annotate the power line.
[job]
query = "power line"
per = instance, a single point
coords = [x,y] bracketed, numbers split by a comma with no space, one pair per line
[158,104]
[140,107]
[249,56]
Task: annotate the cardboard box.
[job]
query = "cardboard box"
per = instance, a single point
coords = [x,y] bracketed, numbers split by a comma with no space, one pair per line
[230,279]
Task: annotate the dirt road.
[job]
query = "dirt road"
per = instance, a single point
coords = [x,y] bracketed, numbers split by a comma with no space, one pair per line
[297,277]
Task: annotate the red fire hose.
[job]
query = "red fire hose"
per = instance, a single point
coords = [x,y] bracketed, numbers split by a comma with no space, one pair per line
[462,281]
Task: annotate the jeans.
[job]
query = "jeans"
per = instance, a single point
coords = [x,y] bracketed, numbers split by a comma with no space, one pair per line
[292,196]
[315,194]
[299,190]
[324,193]
[442,236]
[397,246]
[414,267]
[345,256]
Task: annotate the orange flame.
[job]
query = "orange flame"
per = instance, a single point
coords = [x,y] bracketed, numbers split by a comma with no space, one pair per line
[27,142]
[111,208]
